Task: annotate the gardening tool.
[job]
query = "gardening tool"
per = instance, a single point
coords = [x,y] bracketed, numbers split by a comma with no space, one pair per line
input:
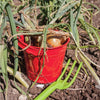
[60,84]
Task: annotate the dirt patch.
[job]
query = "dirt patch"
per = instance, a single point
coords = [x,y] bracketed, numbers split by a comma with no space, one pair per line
[84,86]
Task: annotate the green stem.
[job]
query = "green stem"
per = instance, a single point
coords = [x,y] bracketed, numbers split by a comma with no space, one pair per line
[90,69]
[73,47]
[18,77]
[15,42]
[3,65]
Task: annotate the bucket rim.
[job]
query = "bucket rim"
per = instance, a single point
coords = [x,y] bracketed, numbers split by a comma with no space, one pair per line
[21,41]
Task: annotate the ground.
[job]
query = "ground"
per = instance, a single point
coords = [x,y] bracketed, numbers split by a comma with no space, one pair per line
[84,86]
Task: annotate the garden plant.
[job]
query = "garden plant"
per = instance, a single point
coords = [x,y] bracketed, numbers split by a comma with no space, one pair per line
[37,20]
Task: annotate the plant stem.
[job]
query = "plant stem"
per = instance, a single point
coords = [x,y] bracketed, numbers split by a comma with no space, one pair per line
[90,69]
[18,77]
[13,29]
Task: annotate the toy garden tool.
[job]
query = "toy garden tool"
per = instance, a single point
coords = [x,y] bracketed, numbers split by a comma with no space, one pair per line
[60,84]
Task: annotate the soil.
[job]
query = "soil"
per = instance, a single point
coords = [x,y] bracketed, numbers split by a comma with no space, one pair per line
[84,88]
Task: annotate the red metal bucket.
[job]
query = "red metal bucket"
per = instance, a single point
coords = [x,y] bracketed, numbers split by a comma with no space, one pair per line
[34,60]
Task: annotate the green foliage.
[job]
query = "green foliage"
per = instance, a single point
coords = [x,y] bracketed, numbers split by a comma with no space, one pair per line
[15,41]
[5,9]
[66,15]
[75,34]
[3,64]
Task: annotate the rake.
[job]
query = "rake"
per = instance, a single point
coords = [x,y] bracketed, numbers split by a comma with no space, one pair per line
[60,84]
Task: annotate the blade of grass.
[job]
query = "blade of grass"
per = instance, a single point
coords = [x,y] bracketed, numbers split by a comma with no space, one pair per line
[3,65]
[2,26]
[73,30]
[82,47]
[63,11]
[2,60]
[96,35]
[76,55]
[87,29]
[13,29]
[83,57]
[34,33]
[98,30]
[78,13]
[87,58]
[16,22]
[18,77]
[19,89]
[94,6]
[90,69]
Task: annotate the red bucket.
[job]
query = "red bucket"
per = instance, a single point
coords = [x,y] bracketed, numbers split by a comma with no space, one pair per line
[34,60]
